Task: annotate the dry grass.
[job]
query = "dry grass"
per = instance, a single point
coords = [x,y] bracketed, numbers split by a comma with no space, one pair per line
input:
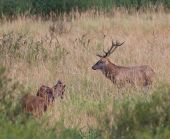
[89,94]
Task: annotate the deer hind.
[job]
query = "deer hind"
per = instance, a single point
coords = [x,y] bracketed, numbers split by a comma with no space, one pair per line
[121,76]
[34,104]
[45,97]
[50,94]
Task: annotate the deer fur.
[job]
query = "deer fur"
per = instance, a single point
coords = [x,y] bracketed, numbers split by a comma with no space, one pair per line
[34,104]
[45,96]
[49,94]
[46,93]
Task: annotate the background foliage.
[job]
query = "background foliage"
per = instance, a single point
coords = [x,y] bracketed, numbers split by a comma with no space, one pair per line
[45,7]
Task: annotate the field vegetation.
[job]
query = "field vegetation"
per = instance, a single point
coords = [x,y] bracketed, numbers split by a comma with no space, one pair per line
[34,51]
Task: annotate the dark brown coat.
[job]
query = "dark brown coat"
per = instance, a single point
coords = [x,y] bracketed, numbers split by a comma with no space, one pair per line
[49,94]
[46,93]
[34,104]
[45,96]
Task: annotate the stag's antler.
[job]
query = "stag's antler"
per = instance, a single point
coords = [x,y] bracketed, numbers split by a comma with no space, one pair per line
[111,50]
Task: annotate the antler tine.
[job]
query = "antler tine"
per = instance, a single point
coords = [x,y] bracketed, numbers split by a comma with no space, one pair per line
[104,50]
[117,44]
[99,55]
[104,53]
[111,50]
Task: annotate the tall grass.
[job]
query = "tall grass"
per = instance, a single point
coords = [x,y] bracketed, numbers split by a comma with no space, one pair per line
[36,52]
[127,119]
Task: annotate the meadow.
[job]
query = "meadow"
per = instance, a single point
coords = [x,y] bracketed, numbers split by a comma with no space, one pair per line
[35,51]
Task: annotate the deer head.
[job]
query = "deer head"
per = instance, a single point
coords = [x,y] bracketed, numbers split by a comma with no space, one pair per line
[59,89]
[103,62]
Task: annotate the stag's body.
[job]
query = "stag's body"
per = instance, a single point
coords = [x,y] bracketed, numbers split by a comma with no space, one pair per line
[121,76]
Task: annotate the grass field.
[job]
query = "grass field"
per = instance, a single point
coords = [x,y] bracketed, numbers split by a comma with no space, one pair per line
[36,52]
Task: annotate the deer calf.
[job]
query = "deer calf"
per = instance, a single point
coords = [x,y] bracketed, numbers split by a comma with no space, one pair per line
[34,104]
[49,94]
[45,96]
[136,76]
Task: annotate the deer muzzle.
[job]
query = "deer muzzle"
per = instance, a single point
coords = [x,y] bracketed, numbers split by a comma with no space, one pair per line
[94,67]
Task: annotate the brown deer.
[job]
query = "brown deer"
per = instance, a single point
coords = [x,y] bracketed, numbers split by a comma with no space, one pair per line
[121,76]
[34,104]
[49,94]
[45,96]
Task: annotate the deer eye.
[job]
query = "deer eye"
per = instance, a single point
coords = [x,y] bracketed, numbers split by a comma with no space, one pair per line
[99,62]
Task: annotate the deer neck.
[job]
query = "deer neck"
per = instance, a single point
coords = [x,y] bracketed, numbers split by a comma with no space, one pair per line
[110,71]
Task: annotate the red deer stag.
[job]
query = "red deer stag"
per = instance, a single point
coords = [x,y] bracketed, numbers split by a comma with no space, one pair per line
[121,76]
